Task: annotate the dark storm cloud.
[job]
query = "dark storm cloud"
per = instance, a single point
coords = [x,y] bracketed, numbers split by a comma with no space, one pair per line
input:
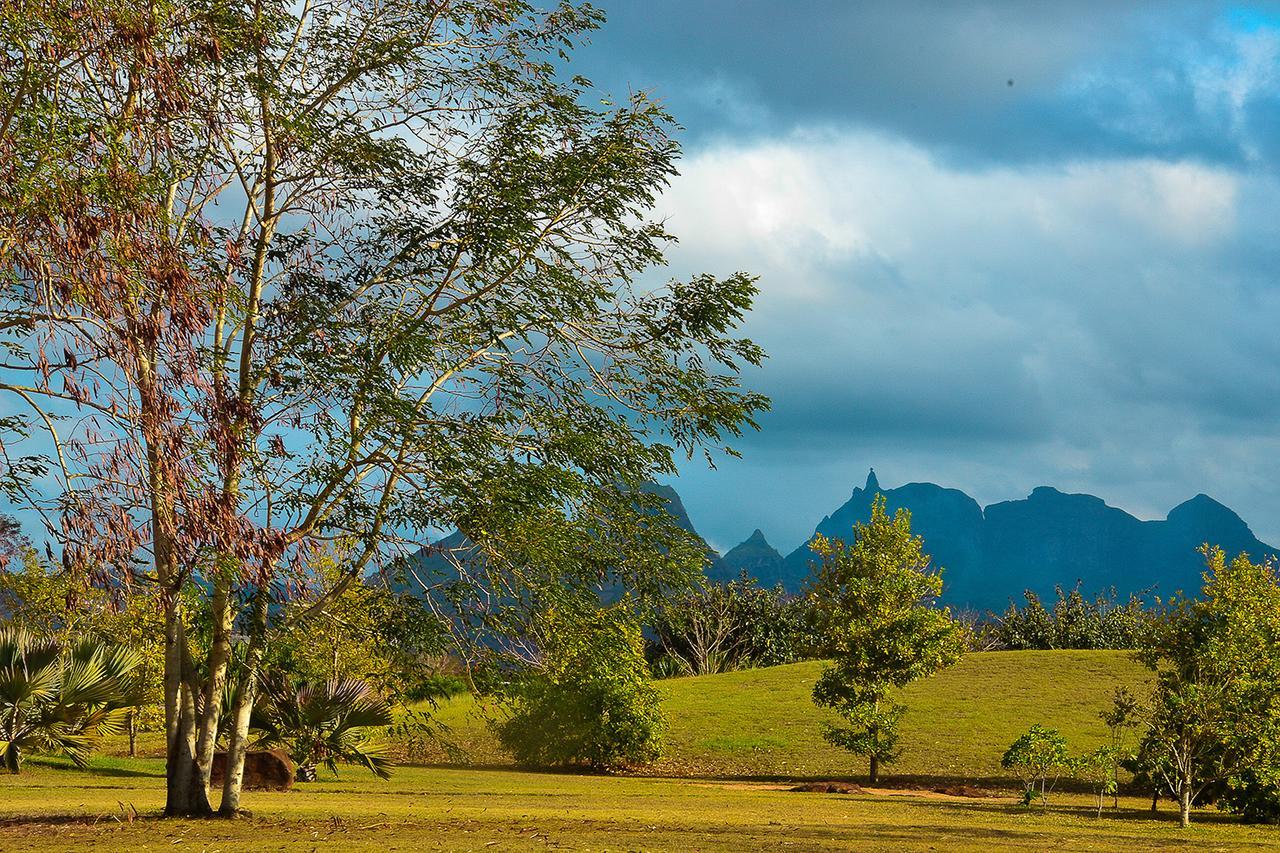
[1088,78]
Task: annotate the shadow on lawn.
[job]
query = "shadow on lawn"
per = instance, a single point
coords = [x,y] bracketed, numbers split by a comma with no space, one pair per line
[1168,814]
[109,770]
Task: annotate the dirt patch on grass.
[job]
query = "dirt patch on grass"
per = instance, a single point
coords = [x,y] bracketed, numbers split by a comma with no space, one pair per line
[830,788]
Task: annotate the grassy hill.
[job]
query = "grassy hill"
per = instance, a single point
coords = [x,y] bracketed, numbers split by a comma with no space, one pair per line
[762,722]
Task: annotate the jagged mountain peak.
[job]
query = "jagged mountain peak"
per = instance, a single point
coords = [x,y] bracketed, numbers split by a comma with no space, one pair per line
[991,554]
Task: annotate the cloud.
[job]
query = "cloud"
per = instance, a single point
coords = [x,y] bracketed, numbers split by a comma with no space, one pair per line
[1103,325]
[976,82]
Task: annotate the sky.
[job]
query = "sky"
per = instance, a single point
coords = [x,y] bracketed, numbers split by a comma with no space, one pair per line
[999,245]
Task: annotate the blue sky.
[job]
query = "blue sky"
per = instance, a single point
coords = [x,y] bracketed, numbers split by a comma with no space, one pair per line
[1000,244]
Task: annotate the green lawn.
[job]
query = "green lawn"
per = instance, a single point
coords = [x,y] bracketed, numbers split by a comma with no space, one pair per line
[470,809]
[762,723]
[747,728]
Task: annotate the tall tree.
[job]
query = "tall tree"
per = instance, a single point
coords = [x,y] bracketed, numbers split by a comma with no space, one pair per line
[279,273]
[875,616]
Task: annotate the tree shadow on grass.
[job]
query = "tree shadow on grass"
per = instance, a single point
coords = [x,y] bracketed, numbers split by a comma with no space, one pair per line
[1166,815]
[113,771]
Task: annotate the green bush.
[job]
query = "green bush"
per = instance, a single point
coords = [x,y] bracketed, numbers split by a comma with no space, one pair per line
[590,701]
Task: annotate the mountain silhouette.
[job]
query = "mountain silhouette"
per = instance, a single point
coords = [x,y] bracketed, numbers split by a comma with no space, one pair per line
[754,556]
[1049,538]
[989,555]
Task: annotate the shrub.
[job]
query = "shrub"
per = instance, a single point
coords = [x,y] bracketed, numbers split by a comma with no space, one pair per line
[590,701]
[56,699]
[734,625]
[323,723]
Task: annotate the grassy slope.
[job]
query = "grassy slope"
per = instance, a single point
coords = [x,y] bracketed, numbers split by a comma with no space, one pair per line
[763,723]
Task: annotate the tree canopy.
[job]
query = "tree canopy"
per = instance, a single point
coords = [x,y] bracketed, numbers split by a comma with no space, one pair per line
[278,274]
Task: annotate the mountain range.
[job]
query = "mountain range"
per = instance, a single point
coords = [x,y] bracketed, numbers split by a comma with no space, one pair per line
[990,555]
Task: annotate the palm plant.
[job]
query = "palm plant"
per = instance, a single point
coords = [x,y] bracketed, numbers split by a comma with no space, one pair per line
[322,723]
[55,699]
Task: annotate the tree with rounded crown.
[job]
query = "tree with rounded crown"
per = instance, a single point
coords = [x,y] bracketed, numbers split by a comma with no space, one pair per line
[875,616]
[278,274]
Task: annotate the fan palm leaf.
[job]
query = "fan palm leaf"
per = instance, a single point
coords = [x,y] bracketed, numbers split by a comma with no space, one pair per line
[60,700]
[323,723]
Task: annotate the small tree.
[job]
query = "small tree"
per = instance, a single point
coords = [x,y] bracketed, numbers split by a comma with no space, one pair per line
[1039,757]
[590,701]
[1214,716]
[1120,718]
[874,611]
[1097,769]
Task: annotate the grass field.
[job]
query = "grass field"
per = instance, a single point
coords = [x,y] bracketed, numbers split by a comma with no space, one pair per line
[748,729]
[762,722]
[48,809]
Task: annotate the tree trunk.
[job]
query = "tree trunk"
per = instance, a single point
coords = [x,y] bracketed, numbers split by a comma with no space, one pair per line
[133,733]
[1155,800]
[215,678]
[187,794]
[875,768]
[1184,795]
[246,693]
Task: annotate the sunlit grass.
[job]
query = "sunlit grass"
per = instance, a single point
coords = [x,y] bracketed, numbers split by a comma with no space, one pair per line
[762,722]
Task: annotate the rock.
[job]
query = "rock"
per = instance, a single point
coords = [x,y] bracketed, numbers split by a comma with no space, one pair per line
[264,770]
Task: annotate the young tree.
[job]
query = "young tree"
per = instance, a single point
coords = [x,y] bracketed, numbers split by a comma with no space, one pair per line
[1120,719]
[1215,712]
[335,269]
[873,605]
[1039,757]
[1097,769]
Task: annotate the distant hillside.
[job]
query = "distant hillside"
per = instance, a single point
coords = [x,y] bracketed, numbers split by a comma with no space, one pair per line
[762,722]
[990,555]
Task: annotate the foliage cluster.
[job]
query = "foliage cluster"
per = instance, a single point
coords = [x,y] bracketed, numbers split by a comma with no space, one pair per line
[719,627]
[589,700]
[1074,621]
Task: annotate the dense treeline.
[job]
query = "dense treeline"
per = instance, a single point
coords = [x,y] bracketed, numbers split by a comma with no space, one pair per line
[1073,621]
